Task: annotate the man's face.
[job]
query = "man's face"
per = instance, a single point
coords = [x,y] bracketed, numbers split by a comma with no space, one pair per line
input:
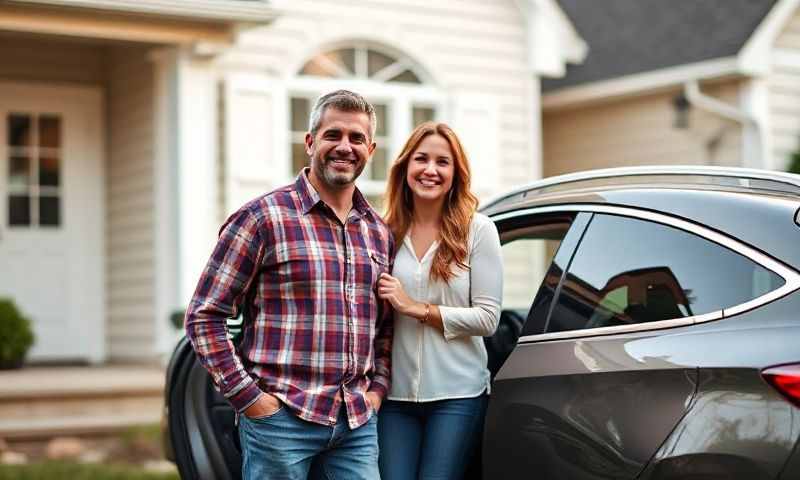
[340,149]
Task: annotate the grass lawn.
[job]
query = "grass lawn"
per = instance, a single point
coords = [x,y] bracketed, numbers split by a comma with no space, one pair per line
[77,471]
[123,455]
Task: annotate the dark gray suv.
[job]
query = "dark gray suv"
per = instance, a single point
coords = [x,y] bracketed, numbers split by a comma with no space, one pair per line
[651,330]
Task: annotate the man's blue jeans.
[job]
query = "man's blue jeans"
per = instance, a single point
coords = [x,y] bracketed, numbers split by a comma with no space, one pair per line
[430,440]
[282,446]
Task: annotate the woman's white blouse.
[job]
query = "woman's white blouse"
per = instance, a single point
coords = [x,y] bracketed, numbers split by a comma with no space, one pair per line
[427,364]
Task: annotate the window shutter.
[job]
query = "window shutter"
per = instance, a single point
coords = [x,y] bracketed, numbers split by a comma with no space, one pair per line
[255,138]
[475,120]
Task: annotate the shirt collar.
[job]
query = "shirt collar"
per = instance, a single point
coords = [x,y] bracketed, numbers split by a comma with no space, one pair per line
[309,196]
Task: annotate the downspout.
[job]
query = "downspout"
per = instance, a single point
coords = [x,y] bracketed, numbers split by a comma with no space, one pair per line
[691,90]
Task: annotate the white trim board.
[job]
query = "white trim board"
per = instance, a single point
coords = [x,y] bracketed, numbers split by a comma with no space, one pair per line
[640,83]
[754,57]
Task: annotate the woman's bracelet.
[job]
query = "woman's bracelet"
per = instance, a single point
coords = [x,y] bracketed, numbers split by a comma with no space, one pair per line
[427,314]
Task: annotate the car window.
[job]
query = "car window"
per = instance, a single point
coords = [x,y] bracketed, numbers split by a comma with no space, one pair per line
[628,271]
[531,246]
[527,253]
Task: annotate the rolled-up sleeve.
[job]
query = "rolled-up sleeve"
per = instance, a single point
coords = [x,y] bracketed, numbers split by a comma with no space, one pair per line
[225,280]
[486,288]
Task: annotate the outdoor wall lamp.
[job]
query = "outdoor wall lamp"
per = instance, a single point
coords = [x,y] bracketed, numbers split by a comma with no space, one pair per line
[681,105]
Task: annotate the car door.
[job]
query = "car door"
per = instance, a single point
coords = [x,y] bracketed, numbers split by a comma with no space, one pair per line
[571,402]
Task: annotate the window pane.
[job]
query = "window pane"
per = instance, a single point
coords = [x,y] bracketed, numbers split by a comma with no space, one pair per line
[19,210]
[331,64]
[49,131]
[380,167]
[316,69]
[407,76]
[524,265]
[381,116]
[421,115]
[530,272]
[49,171]
[49,211]
[19,171]
[299,157]
[633,271]
[19,130]
[345,58]
[300,112]
[377,61]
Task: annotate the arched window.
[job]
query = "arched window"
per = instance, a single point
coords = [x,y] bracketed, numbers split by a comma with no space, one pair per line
[398,88]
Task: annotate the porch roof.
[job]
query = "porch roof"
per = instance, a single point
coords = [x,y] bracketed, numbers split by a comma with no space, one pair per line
[249,11]
[146,21]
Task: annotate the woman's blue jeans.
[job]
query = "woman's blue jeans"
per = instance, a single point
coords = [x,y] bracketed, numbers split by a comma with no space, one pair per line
[430,440]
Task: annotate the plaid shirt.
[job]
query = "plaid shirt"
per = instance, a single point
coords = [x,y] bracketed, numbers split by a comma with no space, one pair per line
[314,332]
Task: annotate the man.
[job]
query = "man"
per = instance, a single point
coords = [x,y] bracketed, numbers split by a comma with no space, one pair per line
[302,264]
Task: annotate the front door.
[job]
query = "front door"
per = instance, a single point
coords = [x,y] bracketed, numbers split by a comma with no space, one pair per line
[51,216]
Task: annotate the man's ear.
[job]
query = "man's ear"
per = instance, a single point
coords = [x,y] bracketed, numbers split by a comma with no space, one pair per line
[372,147]
[309,141]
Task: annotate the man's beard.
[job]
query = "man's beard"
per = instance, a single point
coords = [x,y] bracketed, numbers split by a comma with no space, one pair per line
[334,178]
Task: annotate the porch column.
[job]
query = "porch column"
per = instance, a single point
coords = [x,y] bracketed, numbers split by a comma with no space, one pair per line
[186,180]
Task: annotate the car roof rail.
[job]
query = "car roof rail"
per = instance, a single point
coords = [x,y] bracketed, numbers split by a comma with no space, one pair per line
[659,175]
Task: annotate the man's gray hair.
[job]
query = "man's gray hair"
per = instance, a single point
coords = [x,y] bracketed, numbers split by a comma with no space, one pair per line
[345,101]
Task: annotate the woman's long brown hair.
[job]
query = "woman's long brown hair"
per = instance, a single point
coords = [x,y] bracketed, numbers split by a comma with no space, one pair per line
[458,208]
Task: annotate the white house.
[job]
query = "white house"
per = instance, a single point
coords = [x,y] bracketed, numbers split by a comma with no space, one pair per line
[131,128]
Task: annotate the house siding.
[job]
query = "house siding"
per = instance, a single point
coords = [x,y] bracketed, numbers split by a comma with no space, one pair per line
[130,223]
[470,48]
[639,131]
[784,94]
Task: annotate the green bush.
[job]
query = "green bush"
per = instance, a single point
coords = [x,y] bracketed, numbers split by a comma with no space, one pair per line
[16,336]
[794,163]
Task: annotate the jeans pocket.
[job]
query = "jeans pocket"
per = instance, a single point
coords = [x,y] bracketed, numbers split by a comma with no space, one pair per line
[267,416]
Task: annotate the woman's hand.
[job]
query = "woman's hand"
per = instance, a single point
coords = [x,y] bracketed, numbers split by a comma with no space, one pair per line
[390,288]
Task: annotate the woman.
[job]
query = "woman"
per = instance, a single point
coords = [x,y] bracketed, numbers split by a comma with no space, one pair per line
[445,290]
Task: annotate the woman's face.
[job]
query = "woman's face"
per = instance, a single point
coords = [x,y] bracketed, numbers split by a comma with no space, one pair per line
[431,169]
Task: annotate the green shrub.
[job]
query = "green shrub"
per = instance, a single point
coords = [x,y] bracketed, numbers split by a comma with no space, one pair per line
[176,319]
[16,336]
[794,163]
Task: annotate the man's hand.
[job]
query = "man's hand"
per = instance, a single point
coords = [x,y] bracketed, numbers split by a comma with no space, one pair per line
[374,400]
[265,406]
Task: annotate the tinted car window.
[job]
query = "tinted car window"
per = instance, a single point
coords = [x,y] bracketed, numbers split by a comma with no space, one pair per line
[627,271]
[562,242]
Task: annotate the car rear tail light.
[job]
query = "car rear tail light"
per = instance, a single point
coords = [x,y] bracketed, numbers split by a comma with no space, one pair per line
[785,379]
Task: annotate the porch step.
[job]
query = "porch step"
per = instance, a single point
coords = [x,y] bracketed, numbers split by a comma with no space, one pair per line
[43,401]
